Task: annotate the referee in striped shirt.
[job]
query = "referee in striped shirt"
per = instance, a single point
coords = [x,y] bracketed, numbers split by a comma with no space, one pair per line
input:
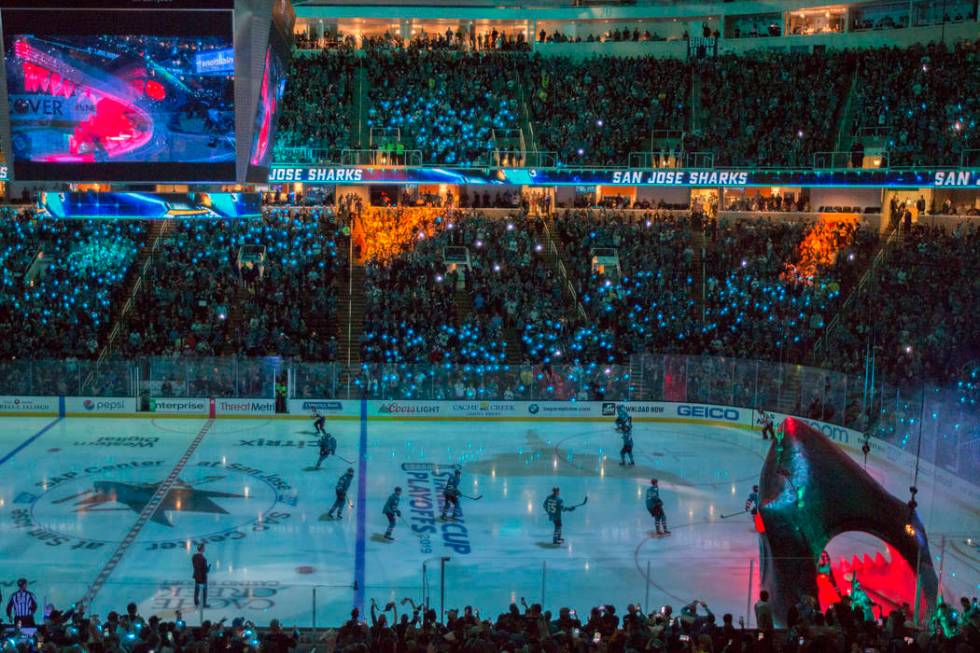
[22,606]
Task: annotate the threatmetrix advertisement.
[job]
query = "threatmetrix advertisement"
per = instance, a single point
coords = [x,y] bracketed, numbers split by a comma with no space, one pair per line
[120,94]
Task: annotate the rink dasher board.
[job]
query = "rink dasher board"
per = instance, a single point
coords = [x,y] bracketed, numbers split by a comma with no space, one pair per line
[463,411]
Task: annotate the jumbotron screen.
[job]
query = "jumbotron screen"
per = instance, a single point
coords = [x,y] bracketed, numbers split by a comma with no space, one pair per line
[267,112]
[120,95]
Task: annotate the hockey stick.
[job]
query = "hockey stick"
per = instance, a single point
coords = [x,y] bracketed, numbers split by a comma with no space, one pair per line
[349,462]
[579,505]
[405,522]
[741,512]
[466,496]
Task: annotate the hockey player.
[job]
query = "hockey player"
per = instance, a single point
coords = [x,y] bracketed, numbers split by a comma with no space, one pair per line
[624,421]
[656,507]
[391,511]
[554,505]
[752,501]
[450,494]
[328,447]
[343,484]
[765,419]
[318,422]
[627,450]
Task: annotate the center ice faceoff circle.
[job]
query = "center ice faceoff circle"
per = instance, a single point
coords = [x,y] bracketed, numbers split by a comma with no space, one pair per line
[207,501]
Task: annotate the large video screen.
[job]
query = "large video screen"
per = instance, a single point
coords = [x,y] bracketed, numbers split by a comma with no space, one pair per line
[267,113]
[120,95]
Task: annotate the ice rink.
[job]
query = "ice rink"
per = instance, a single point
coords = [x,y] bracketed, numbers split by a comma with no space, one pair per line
[78,516]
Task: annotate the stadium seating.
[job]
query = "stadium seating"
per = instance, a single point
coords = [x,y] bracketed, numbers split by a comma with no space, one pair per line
[59,279]
[201,274]
[316,110]
[756,109]
[445,104]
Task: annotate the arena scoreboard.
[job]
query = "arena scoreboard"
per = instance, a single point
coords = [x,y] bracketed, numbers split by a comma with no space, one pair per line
[176,91]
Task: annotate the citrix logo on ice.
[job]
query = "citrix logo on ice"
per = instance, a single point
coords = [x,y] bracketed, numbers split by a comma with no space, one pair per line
[708,412]
[394,408]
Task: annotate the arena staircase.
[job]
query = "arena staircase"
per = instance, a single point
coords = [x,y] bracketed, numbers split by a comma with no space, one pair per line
[695,101]
[557,258]
[360,132]
[133,284]
[350,319]
[698,271]
[524,92]
[236,321]
[821,349]
[848,118]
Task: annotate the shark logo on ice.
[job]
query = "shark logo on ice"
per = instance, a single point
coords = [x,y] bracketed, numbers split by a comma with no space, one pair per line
[96,505]
[182,497]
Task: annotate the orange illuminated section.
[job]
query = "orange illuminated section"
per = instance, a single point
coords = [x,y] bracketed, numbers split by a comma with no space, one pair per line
[820,247]
[381,234]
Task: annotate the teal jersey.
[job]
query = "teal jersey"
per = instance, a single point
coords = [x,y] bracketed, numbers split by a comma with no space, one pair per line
[453,482]
[653,498]
[344,483]
[554,506]
[391,505]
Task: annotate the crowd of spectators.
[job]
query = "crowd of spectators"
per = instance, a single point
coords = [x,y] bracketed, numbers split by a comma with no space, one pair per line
[843,626]
[772,286]
[59,280]
[783,125]
[917,312]
[599,110]
[445,104]
[316,108]
[646,299]
[75,629]
[922,98]
[458,39]
[278,271]
[446,91]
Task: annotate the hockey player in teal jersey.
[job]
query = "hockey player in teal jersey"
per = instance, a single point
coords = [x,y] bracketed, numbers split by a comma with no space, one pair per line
[450,495]
[554,505]
[391,511]
[624,421]
[656,507]
[627,450]
[343,484]
[328,447]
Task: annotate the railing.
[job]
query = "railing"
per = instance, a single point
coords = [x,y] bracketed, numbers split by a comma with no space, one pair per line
[569,288]
[970,158]
[524,159]
[670,159]
[838,160]
[391,156]
[304,155]
[381,136]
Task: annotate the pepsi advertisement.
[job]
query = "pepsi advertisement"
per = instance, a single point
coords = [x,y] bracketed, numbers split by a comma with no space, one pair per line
[120,95]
